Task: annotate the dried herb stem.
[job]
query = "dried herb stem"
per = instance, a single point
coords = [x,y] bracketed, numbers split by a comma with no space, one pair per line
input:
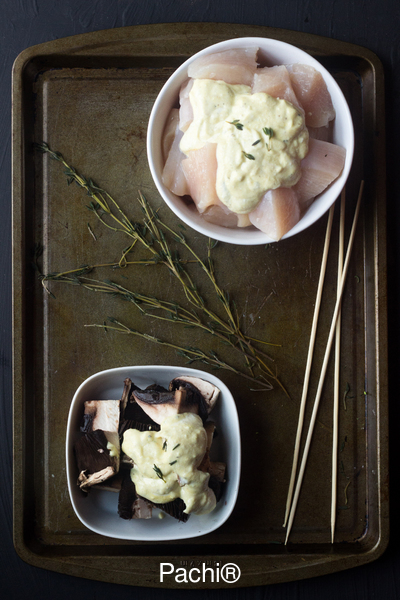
[164,256]
[100,196]
[150,234]
[147,305]
[159,473]
[233,325]
[190,353]
[85,269]
[237,124]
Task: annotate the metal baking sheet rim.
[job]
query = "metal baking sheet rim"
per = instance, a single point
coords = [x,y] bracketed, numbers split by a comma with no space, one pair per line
[301,566]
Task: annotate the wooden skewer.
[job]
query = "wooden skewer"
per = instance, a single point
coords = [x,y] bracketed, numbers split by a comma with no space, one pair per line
[308,363]
[337,372]
[324,366]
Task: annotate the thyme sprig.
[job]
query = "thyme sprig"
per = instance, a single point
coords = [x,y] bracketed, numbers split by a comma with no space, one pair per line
[149,306]
[270,133]
[150,233]
[236,123]
[191,353]
[159,473]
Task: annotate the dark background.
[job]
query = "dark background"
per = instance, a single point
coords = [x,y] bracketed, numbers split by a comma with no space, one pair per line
[374,24]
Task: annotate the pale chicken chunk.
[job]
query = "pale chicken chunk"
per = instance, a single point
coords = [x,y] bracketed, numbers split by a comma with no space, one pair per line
[169,132]
[275,81]
[195,175]
[219,214]
[311,90]
[200,169]
[173,176]
[236,66]
[323,163]
[276,213]
[186,110]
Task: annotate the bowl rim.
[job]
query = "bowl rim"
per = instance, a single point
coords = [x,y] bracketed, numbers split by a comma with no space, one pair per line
[180,530]
[252,236]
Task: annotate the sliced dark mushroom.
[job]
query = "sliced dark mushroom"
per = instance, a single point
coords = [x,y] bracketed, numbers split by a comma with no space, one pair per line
[198,391]
[142,508]
[136,418]
[126,392]
[113,484]
[174,508]
[216,486]
[217,470]
[132,415]
[133,506]
[160,405]
[95,459]
[101,414]
[156,387]
[87,480]
[126,460]
[130,504]
[205,463]
[98,450]
[185,394]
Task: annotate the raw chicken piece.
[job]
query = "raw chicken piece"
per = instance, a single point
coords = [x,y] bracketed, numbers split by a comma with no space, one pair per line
[275,81]
[324,133]
[312,93]
[219,214]
[173,176]
[216,214]
[243,220]
[169,132]
[186,110]
[323,163]
[276,213]
[235,66]
[200,169]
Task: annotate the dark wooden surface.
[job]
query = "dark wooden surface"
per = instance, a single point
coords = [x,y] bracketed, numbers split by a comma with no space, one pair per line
[374,25]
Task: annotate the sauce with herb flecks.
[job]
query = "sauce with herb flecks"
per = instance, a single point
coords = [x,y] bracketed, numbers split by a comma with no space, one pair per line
[260,140]
[166,461]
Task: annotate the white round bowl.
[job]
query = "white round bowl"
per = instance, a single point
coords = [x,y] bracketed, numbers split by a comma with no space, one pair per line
[98,510]
[271,52]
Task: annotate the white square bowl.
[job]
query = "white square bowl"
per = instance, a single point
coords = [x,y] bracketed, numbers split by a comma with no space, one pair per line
[98,510]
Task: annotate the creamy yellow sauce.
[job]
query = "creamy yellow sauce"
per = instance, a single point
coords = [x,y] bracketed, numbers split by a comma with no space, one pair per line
[260,140]
[114,450]
[166,461]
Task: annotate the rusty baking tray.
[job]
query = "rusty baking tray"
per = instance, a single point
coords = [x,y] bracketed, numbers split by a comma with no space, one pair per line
[89,97]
